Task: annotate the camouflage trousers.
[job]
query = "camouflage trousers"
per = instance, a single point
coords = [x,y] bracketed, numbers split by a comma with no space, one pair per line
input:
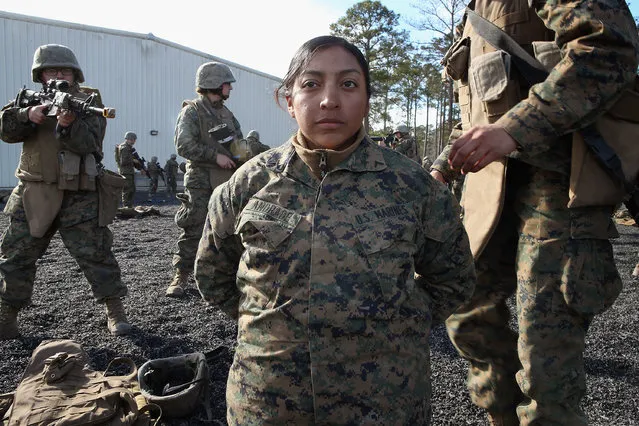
[199,184]
[88,243]
[559,263]
[128,192]
[171,184]
[153,186]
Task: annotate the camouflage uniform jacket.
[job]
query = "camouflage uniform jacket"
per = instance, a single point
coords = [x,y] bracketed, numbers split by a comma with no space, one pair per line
[598,44]
[125,154]
[154,170]
[321,276]
[42,143]
[171,168]
[407,146]
[194,143]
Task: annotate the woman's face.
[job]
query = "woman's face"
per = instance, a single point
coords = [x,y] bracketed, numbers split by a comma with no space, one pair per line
[329,99]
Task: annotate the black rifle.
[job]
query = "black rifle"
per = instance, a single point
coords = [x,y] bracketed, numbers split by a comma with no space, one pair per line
[55,95]
[140,164]
[161,172]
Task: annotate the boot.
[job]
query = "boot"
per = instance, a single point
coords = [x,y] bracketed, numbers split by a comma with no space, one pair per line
[116,317]
[8,321]
[635,272]
[180,280]
[508,418]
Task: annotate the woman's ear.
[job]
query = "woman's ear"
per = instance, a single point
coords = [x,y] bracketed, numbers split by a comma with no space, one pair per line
[289,106]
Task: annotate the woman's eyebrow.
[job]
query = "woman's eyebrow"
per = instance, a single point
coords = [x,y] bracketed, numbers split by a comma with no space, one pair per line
[321,73]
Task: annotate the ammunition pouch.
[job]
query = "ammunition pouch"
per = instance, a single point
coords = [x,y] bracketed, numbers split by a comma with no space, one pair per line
[455,60]
[610,145]
[69,170]
[110,185]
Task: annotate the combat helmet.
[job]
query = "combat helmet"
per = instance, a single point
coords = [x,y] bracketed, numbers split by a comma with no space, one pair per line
[173,156]
[177,384]
[213,75]
[154,159]
[253,134]
[130,135]
[402,128]
[55,56]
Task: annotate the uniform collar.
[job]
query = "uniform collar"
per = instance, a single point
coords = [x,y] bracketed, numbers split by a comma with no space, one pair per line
[366,157]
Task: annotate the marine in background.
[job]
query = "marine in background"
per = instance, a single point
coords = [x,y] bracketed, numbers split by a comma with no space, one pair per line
[155,171]
[127,164]
[203,126]
[171,169]
[404,143]
[57,192]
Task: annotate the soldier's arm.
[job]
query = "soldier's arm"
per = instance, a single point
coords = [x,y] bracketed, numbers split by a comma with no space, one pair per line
[444,264]
[441,162]
[84,135]
[15,125]
[598,40]
[187,137]
[219,252]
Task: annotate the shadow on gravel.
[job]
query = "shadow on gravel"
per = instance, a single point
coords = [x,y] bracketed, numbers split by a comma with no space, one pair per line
[612,368]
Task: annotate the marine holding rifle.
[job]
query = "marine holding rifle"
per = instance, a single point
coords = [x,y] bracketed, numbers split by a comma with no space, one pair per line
[203,126]
[516,150]
[57,191]
[128,161]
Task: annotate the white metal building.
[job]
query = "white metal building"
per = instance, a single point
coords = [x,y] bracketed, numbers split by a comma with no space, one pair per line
[143,77]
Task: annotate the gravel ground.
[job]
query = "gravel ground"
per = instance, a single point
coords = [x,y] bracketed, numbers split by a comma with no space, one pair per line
[62,307]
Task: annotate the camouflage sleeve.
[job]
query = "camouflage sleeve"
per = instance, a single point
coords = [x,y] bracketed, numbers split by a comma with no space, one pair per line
[445,266]
[219,252]
[84,136]
[598,41]
[236,123]
[126,157]
[15,125]
[441,162]
[187,137]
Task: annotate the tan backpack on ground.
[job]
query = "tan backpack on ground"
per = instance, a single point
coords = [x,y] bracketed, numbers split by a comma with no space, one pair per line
[59,388]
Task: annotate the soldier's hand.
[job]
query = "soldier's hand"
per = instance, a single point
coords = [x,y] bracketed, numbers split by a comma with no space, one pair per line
[224,162]
[66,118]
[479,147]
[438,175]
[37,114]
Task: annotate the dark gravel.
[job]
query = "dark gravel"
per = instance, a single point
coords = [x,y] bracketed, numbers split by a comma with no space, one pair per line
[63,307]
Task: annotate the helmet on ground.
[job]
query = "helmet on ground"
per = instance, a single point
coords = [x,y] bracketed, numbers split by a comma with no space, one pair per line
[55,56]
[212,75]
[130,135]
[253,134]
[173,156]
[176,384]
[403,129]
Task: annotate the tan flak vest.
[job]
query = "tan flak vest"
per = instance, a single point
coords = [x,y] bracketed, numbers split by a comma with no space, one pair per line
[486,92]
[208,119]
[47,170]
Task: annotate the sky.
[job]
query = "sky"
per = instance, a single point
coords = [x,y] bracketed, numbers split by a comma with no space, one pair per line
[259,34]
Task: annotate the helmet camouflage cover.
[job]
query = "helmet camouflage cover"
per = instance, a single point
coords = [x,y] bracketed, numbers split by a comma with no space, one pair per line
[402,129]
[212,75]
[55,56]
[253,134]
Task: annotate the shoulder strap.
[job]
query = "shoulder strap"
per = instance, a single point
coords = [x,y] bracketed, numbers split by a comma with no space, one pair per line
[531,69]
